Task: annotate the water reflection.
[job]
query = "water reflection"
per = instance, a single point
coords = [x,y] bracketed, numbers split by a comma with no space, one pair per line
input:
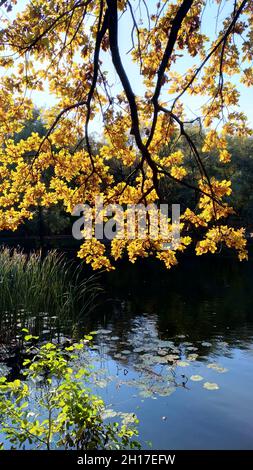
[175,348]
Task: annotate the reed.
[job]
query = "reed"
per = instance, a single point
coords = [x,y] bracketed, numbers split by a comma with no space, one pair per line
[50,284]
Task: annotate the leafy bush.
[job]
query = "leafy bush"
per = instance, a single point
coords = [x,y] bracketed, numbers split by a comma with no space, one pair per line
[60,411]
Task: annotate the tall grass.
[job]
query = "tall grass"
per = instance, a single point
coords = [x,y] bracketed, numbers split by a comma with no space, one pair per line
[50,285]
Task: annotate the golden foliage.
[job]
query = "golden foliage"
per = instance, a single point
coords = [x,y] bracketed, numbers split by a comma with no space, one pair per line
[52,46]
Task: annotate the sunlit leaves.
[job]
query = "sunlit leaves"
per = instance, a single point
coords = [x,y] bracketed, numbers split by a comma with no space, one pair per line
[51,46]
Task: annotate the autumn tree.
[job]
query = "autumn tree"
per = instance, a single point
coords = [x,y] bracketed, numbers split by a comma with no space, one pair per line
[126,66]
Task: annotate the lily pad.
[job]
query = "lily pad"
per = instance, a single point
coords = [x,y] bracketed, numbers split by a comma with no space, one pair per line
[217,368]
[148,359]
[161,359]
[138,350]
[165,344]
[146,394]
[172,357]
[108,414]
[103,332]
[211,386]
[182,364]
[162,352]
[196,378]
[166,392]
[101,383]
[192,357]
[117,356]
[127,418]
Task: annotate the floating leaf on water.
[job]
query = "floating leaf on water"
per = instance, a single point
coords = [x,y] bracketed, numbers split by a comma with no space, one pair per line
[101,383]
[138,350]
[182,364]
[103,332]
[146,394]
[162,352]
[191,348]
[108,414]
[206,343]
[148,359]
[217,368]
[212,365]
[117,356]
[129,383]
[175,350]
[172,357]
[165,344]
[160,360]
[211,386]
[192,357]
[166,392]
[127,418]
[196,378]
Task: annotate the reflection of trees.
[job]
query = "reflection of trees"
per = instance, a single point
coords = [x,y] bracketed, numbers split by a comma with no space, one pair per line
[201,299]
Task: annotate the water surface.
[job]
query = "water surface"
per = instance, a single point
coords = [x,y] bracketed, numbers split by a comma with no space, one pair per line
[176,349]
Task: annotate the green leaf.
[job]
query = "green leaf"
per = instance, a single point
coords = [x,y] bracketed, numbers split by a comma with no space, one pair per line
[28,337]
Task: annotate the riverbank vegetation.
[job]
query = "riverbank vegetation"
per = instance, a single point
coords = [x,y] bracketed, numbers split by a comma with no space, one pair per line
[60,411]
[41,291]
[33,283]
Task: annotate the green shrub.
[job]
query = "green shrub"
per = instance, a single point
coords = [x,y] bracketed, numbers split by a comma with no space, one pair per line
[54,408]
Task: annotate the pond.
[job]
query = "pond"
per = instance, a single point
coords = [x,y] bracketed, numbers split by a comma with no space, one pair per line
[176,349]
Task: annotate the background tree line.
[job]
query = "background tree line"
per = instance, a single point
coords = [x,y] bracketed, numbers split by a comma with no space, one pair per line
[55,221]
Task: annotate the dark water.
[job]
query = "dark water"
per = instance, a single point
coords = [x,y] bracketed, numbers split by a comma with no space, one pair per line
[176,348]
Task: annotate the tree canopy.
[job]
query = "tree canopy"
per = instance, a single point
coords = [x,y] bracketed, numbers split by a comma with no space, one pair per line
[125,67]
